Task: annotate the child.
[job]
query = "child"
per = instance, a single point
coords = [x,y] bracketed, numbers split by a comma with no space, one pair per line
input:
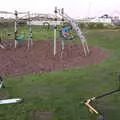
[65,33]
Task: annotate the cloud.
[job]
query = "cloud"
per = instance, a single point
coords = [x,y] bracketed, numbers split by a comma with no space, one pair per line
[74,8]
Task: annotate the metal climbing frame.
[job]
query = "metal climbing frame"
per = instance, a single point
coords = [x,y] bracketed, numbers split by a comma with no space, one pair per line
[3,34]
[30,42]
[77,29]
[16,19]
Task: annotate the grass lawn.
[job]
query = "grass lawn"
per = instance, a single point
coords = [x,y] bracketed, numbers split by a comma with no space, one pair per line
[62,91]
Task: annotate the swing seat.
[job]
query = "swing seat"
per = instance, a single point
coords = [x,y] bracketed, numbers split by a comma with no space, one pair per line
[20,38]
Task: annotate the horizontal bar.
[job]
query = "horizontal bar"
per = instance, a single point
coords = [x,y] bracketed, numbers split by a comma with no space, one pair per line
[5,12]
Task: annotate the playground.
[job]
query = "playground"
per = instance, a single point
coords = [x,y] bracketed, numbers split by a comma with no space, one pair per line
[53,83]
[38,59]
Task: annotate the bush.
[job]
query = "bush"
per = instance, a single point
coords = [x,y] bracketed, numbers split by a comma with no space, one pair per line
[82,25]
[100,25]
[91,25]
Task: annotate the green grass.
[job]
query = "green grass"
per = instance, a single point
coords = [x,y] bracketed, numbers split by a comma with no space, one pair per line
[39,32]
[62,91]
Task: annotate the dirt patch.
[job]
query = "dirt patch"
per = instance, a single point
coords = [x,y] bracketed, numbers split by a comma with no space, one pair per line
[41,115]
[40,58]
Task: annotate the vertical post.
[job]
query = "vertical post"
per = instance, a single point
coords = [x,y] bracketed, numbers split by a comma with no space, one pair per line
[84,48]
[55,30]
[62,41]
[88,51]
[1,82]
[15,28]
[54,41]
[29,31]
[1,46]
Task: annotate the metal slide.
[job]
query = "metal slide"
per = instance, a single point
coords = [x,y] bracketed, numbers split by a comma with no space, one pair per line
[78,31]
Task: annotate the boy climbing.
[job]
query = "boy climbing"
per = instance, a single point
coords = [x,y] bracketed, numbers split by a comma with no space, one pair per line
[65,33]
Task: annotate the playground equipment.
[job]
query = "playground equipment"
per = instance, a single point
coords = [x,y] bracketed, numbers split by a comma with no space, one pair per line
[46,25]
[6,29]
[1,46]
[75,26]
[3,33]
[13,100]
[92,109]
[8,101]
[20,37]
[1,82]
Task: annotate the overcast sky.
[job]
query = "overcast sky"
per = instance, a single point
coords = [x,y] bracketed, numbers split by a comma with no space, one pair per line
[74,8]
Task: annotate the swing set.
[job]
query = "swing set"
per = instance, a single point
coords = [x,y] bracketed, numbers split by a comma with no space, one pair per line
[19,37]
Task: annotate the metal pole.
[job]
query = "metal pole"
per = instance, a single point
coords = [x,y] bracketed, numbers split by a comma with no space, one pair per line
[88,102]
[84,49]
[107,93]
[62,41]
[55,30]
[54,41]
[88,51]
[30,31]
[15,28]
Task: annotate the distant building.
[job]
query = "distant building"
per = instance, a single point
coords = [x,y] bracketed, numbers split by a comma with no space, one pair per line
[116,20]
[101,20]
[44,19]
[37,22]
[96,20]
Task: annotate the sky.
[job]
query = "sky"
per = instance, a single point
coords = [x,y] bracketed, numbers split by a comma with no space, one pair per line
[74,8]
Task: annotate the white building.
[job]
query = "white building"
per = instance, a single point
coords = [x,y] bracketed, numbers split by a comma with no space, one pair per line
[101,20]
[37,22]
